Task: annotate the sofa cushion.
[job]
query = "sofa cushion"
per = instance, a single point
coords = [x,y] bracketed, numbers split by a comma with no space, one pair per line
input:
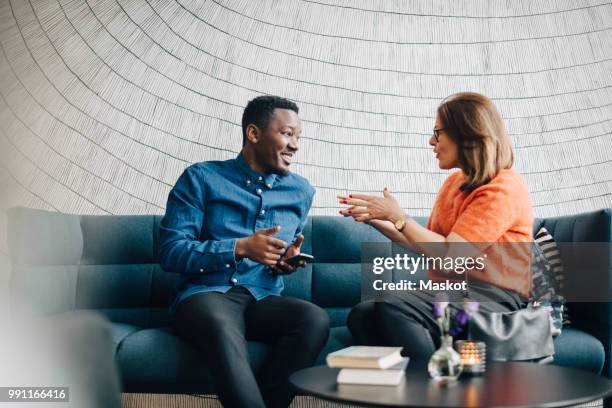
[337,316]
[119,331]
[339,338]
[586,227]
[338,239]
[136,294]
[114,286]
[336,284]
[299,284]
[577,349]
[156,360]
[117,239]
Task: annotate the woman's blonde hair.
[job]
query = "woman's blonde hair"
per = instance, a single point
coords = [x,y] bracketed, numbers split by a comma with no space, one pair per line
[472,121]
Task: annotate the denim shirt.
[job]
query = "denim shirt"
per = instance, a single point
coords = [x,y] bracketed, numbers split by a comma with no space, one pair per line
[212,205]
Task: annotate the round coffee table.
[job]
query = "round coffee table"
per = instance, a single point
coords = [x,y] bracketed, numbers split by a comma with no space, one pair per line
[503,385]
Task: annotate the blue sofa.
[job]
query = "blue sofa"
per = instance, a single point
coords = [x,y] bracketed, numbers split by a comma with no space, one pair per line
[109,264]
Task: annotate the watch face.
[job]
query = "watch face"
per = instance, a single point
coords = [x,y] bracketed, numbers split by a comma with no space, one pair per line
[399,224]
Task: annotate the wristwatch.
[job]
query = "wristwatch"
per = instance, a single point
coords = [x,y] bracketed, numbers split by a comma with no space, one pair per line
[400,224]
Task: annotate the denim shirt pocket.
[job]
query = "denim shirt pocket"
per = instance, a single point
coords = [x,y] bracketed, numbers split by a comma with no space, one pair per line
[223,220]
[289,222]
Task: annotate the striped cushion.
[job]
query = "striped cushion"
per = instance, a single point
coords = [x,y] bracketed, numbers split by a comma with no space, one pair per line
[544,287]
[548,246]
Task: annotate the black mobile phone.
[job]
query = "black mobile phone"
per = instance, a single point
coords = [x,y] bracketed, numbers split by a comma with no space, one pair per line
[295,260]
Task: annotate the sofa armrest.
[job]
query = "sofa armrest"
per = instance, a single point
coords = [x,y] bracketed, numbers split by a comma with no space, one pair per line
[38,237]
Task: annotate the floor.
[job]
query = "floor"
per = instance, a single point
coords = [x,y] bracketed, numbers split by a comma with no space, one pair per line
[210,401]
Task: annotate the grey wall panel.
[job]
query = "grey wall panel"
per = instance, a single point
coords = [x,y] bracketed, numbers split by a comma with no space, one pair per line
[104,103]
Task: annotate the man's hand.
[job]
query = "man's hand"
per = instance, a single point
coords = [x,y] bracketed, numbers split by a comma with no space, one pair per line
[262,247]
[283,268]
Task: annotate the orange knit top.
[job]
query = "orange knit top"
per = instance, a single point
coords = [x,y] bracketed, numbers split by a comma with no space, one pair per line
[495,213]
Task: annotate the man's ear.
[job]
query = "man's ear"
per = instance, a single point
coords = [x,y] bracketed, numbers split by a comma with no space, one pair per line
[253,133]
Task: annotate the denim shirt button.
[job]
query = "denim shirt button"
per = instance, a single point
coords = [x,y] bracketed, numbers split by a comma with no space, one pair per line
[269,185]
[234,280]
[258,191]
[262,212]
[227,265]
[260,178]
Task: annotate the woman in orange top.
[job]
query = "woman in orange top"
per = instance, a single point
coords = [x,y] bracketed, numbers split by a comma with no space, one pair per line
[486,202]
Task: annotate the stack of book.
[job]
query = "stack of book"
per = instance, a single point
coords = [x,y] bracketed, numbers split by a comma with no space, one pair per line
[369,365]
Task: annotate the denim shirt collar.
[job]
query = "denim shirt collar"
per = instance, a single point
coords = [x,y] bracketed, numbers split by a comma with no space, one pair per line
[251,176]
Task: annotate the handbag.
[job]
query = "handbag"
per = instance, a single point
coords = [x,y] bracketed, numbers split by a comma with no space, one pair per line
[522,335]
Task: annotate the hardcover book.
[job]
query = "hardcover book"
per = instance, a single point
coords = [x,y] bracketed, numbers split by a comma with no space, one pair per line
[365,357]
[371,376]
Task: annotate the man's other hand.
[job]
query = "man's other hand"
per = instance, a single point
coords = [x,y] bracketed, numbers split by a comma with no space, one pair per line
[283,268]
[262,247]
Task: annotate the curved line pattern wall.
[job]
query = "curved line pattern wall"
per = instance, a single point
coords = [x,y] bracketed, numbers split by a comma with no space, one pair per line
[104,102]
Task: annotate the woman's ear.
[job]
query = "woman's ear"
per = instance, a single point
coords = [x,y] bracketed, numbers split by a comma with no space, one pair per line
[253,133]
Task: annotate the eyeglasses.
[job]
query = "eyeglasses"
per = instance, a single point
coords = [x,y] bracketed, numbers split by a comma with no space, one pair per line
[437,134]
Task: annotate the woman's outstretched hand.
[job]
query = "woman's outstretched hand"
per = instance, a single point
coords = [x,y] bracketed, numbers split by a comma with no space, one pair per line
[367,207]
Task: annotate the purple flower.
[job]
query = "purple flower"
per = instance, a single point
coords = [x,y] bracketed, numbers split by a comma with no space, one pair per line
[462,317]
[455,330]
[471,307]
[439,308]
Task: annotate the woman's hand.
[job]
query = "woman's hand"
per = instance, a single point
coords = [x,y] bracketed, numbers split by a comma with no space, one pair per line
[366,207]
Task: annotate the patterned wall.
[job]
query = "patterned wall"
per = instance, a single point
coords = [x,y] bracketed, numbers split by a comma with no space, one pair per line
[104,102]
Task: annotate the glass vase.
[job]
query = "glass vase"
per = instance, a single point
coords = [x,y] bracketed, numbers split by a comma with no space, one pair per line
[445,364]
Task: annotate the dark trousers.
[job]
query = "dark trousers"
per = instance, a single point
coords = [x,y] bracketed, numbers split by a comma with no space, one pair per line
[220,324]
[409,322]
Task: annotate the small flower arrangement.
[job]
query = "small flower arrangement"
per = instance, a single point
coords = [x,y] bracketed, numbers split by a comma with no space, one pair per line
[445,364]
[445,317]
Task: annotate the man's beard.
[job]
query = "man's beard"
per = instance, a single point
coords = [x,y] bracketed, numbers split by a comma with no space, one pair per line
[280,171]
[277,169]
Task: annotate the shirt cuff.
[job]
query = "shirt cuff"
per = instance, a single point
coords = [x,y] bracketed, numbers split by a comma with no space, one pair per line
[227,254]
[220,257]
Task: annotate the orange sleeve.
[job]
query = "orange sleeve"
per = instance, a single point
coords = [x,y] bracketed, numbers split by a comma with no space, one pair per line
[429,224]
[494,208]
[450,183]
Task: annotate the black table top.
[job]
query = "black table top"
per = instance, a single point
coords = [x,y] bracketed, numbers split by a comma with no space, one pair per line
[503,385]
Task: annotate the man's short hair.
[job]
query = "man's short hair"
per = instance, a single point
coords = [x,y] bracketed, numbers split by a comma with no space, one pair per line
[259,111]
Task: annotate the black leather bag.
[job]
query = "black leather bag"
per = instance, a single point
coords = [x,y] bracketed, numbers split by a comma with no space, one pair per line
[523,335]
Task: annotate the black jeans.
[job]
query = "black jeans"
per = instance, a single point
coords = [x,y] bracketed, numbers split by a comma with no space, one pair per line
[409,322]
[219,324]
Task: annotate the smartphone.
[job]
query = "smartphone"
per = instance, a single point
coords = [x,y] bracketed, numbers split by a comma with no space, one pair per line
[295,260]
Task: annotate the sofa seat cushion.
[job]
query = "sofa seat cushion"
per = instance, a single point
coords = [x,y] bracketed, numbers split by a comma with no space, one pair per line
[577,349]
[337,316]
[119,331]
[156,360]
[339,338]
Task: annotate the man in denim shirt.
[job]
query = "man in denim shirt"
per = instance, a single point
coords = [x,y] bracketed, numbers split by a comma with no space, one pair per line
[228,229]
